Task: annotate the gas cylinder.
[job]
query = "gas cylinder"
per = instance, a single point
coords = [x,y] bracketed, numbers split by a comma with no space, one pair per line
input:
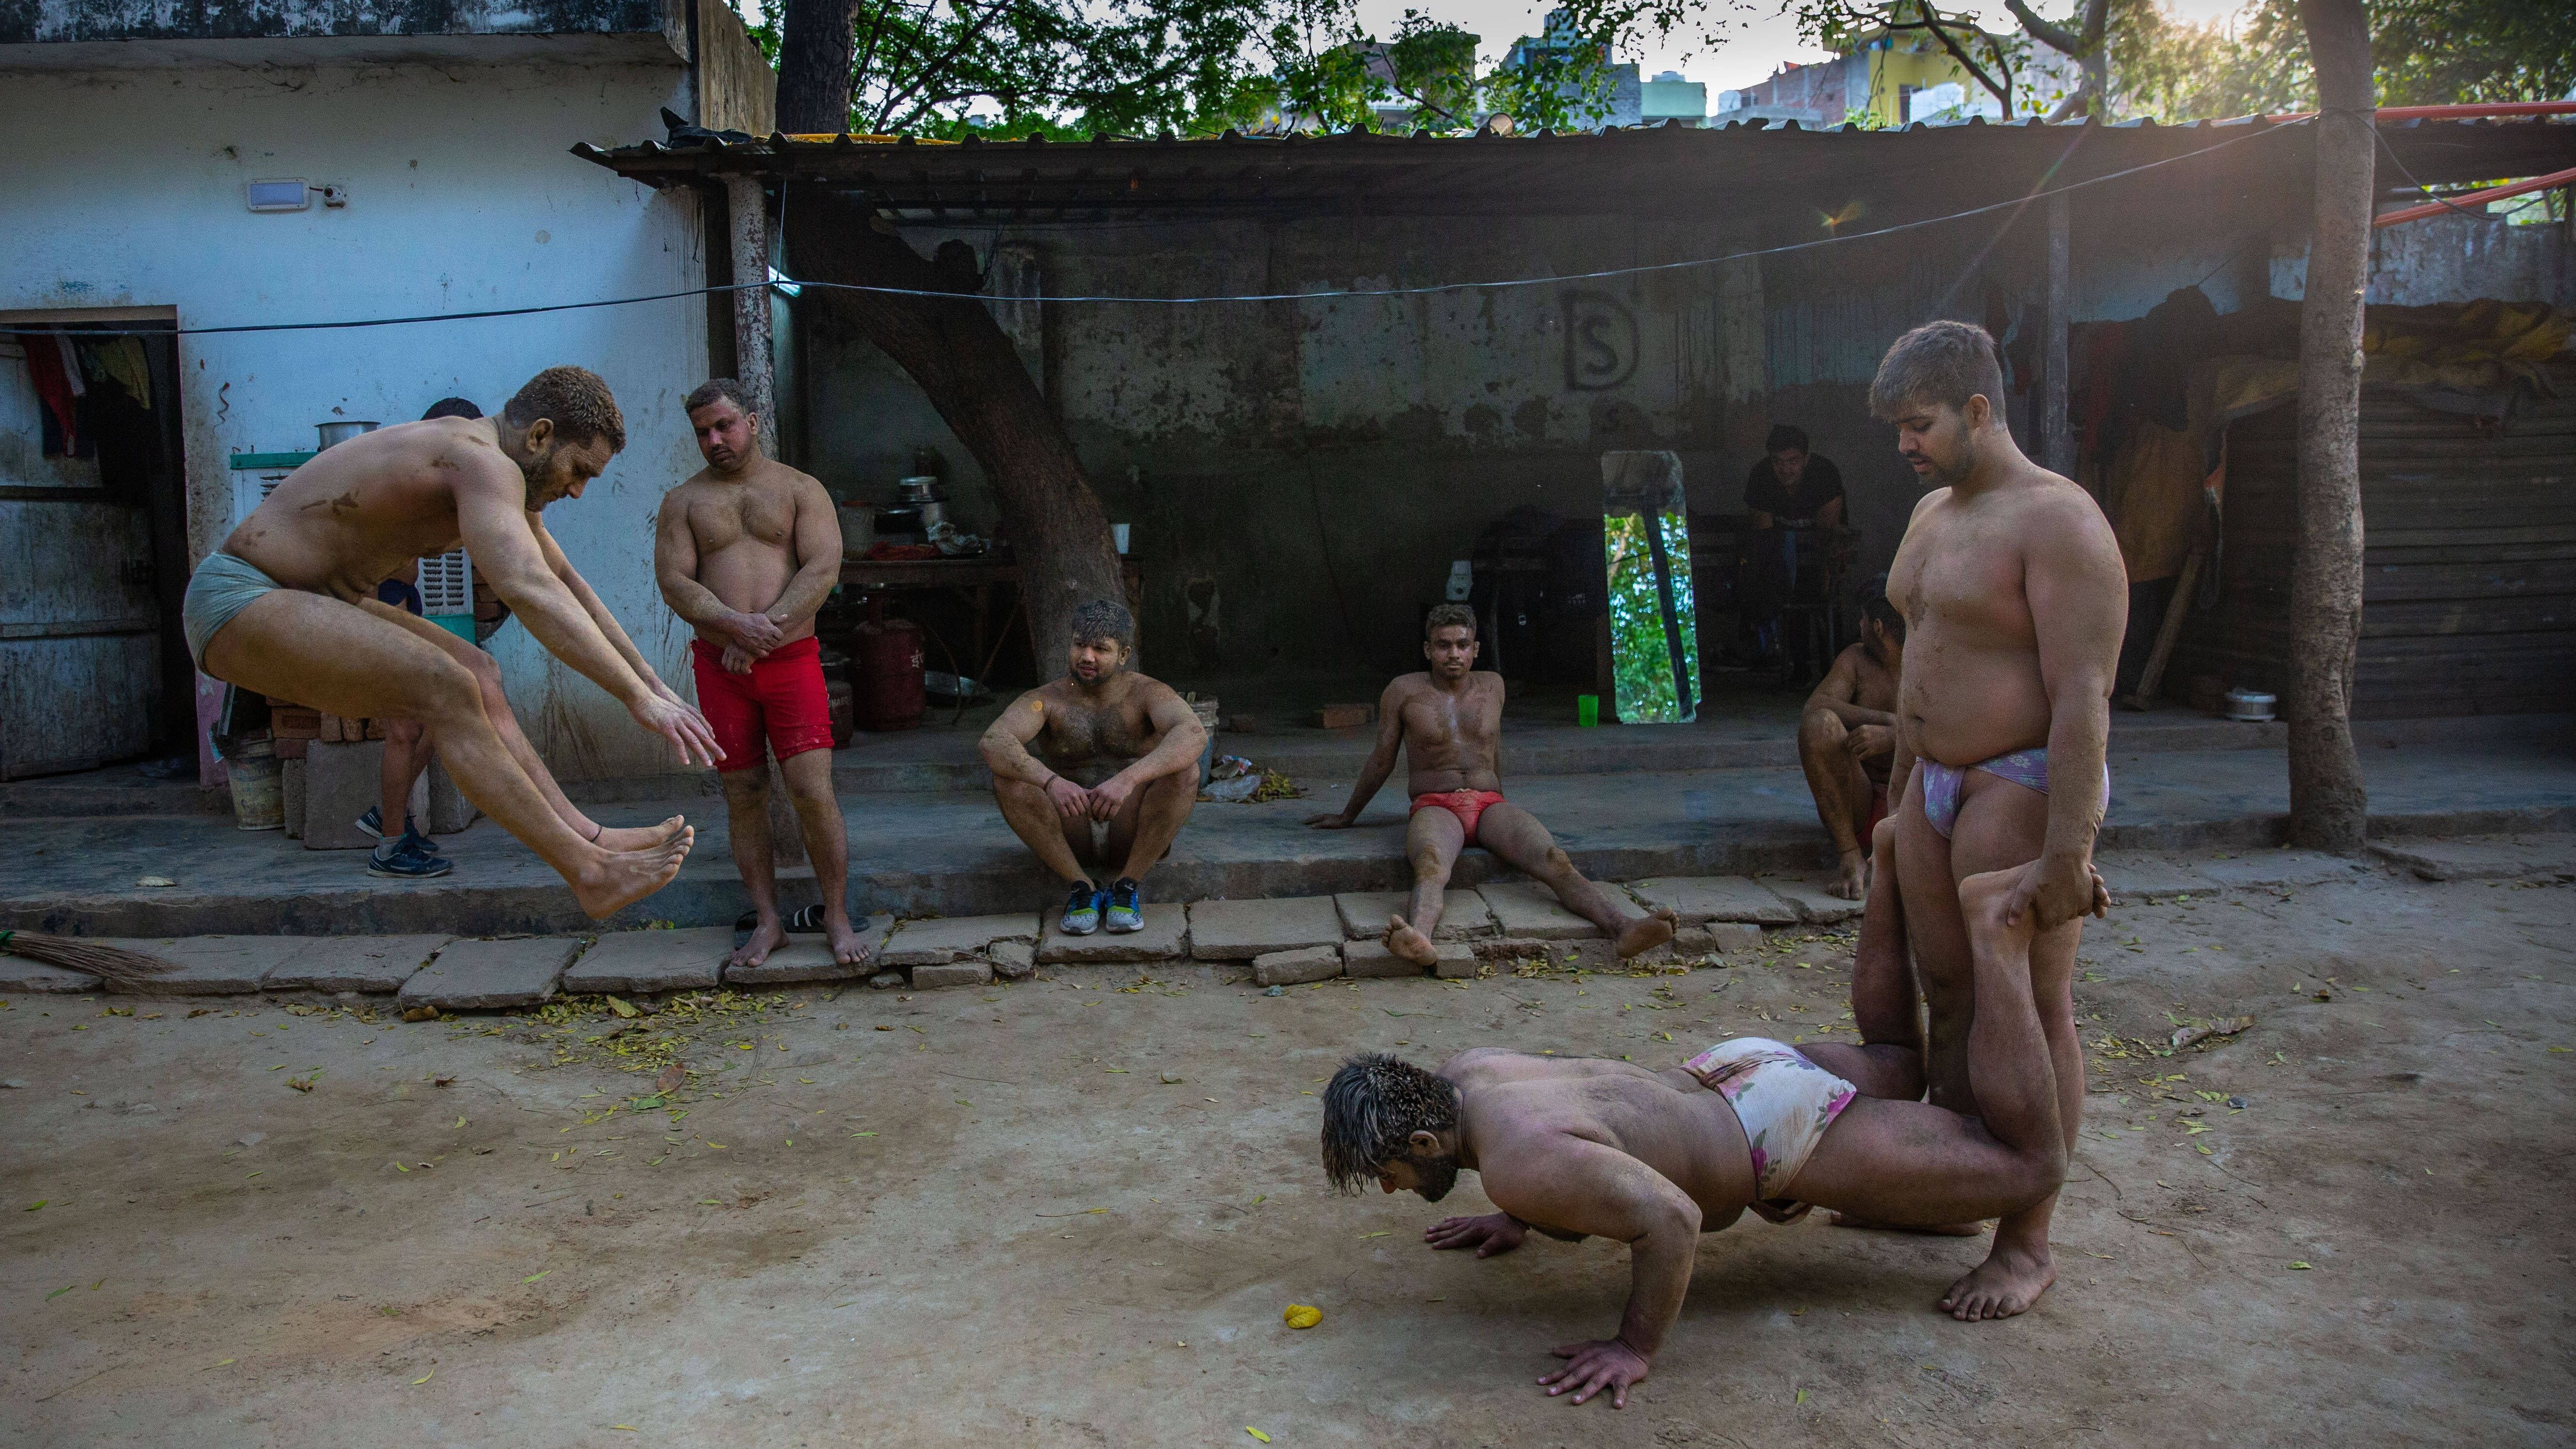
[888,664]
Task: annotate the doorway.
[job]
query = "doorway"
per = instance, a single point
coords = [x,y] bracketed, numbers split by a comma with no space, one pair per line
[93,545]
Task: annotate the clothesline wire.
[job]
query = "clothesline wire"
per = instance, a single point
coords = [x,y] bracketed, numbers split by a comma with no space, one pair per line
[1321,295]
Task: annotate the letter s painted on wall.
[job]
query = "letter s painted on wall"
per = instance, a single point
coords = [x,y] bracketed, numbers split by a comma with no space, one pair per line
[1600,341]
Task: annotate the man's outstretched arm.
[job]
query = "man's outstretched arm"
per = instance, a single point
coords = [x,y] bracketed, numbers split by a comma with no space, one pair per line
[1577,1186]
[2079,604]
[591,604]
[1381,763]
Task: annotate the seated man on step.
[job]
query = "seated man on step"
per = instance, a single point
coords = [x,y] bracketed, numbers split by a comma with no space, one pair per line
[1449,720]
[287,606]
[1595,1148]
[1111,748]
[1847,740]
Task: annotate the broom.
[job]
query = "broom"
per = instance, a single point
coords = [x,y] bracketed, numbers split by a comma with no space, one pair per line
[118,968]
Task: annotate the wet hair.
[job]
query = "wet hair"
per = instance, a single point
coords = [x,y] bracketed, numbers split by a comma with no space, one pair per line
[452,407]
[1448,616]
[1785,436]
[576,399]
[716,389]
[1104,619]
[1376,1102]
[1943,363]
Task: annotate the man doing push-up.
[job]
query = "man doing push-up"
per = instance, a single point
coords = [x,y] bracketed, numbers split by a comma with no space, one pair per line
[1449,720]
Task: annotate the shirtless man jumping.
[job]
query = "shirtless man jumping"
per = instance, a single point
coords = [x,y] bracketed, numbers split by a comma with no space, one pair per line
[287,606]
[1847,740]
[1112,747]
[1597,1148]
[746,551]
[2014,600]
[1449,720]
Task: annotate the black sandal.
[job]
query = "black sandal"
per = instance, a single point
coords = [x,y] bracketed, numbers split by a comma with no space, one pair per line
[807,921]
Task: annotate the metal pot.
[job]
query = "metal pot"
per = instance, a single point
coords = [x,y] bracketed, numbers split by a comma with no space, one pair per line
[334,433]
[2251,705]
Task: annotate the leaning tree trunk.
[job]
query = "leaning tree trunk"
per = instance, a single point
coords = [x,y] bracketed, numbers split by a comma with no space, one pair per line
[814,66]
[2329,809]
[973,375]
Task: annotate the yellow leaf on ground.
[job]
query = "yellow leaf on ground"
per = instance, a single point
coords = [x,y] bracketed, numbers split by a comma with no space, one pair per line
[424,1378]
[1257,1434]
[2302,1267]
[1302,1315]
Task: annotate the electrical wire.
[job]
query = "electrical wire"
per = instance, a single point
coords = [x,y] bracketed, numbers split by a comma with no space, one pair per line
[2427,190]
[1321,295]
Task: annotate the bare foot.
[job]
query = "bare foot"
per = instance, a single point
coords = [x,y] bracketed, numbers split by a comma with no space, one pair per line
[615,838]
[1647,932]
[621,880]
[766,937]
[2008,1282]
[848,948]
[1851,882]
[1944,1230]
[1410,944]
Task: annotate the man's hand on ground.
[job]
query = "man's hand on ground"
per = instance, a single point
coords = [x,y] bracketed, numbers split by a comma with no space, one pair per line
[2055,890]
[1868,742]
[1071,800]
[1493,1233]
[1329,820]
[1603,1364]
[682,726]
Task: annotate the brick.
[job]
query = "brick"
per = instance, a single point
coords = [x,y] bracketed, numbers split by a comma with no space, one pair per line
[293,722]
[2137,877]
[292,748]
[215,965]
[1531,911]
[328,731]
[373,964]
[651,961]
[487,975]
[1289,968]
[1815,904]
[941,940]
[809,958]
[2492,859]
[1463,913]
[375,729]
[1344,716]
[1241,930]
[951,973]
[1703,898]
[2280,868]
[1371,958]
[1013,960]
[1166,937]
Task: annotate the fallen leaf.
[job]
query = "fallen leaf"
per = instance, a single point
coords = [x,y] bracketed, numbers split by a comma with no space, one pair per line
[2302,1267]
[671,1078]
[629,1428]
[1364,1237]
[1802,1396]
[40,1202]
[532,1277]
[883,1027]
[622,1009]
[459,1122]
[415,1383]
[421,1013]
[446,1081]
[398,1167]
[1302,1315]
[1257,1434]
[59,1292]
[221,1362]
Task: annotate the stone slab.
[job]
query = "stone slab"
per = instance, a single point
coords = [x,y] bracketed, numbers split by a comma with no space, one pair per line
[1815,905]
[216,965]
[2133,876]
[340,782]
[2280,868]
[373,964]
[1013,960]
[1463,913]
[1292,968]
[650,961]
[488,975]
[809,958]
[1703,898]
[1241,930]
[1715,938]
[1371,958]
[952,973]
[2490,859]
[942,939]
[1531,911]
[1166,937]
[18,974]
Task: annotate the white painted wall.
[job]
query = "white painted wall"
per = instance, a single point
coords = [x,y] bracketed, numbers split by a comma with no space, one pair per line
[126,188]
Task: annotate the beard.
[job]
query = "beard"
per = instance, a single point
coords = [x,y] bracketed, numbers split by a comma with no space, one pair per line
[1435,1176]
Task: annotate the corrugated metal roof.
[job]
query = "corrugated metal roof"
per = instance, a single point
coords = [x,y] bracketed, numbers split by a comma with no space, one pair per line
[1717,172]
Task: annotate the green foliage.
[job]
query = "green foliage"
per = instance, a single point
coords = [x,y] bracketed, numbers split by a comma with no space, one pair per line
[2427,52]
[1641,660]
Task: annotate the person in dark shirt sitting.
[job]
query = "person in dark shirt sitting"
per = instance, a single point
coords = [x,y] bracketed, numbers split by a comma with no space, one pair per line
[1788,490]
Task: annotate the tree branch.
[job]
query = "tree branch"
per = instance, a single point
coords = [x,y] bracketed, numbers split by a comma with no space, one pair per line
[2003,92]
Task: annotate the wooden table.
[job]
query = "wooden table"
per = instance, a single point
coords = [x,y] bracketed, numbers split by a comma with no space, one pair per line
[972,577]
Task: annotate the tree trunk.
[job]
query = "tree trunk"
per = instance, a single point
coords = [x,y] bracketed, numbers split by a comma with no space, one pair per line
[973,375]
[814,66]
[2329,808]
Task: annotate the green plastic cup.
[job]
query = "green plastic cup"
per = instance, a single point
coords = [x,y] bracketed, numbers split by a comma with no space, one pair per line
[1587,710]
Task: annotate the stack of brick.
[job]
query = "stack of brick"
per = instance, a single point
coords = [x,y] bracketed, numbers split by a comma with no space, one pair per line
[293,728]
[339,730]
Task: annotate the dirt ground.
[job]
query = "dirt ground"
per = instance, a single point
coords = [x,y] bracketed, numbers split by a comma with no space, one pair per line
[1071,1211]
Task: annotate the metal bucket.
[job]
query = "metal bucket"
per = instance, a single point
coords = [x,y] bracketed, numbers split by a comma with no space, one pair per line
[333,433]
[258,801]
[2250,705]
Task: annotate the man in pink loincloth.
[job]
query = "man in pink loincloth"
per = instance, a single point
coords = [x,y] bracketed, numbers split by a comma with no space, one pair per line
[1449,719]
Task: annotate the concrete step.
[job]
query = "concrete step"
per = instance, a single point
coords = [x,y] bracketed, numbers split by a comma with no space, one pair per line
[917,853]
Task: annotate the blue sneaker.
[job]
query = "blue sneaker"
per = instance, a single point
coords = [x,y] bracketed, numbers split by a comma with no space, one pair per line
[1082,909]
[1124,915]
[372,825]
[408,858]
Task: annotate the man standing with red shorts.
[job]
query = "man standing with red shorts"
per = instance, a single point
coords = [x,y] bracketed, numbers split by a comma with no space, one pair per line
[746,551]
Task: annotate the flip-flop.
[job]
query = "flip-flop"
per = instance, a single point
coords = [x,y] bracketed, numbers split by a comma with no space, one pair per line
[807,921]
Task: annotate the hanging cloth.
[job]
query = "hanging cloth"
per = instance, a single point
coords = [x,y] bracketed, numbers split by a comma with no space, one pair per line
[118,360]
[59,391]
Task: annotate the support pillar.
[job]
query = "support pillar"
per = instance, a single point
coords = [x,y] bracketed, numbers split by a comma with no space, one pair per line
[747,205]
[2055,435]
